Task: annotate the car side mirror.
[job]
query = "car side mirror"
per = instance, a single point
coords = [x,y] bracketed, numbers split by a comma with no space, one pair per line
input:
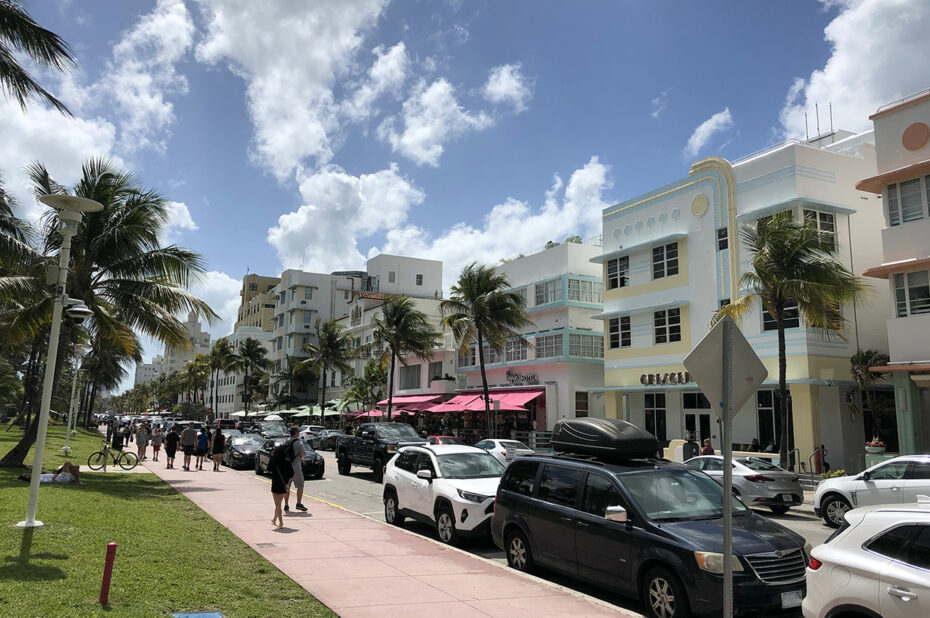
[425,474]
[864,476]
[616,513]
[366,434]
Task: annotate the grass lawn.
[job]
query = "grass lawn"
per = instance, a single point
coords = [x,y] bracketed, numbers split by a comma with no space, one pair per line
[82,445]
[172,557]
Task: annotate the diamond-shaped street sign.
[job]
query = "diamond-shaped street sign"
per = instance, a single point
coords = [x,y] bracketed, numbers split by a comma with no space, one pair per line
[706,364]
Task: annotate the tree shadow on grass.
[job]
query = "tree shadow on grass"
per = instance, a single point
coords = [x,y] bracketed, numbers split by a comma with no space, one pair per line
[22,568]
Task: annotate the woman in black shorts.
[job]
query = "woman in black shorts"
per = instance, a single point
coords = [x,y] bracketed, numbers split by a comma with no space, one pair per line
[171,446]
[281,472]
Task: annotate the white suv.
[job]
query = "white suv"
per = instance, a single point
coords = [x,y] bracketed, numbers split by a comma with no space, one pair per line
[451,487]
[877,564]
[896,481]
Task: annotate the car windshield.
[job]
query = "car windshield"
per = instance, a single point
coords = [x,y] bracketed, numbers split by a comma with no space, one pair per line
[758,464]
[274,427]
[469,466]
[396,430]
[514,444]
[678,494]
[248,440]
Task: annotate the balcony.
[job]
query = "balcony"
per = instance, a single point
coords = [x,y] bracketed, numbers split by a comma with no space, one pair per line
[909,338]
[442,387]
[905,241]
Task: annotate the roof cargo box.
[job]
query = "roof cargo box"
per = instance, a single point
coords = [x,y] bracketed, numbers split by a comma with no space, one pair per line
[608,438]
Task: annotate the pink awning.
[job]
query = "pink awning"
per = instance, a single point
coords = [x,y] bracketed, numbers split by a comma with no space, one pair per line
[458,403]
[406,400]
[520,398]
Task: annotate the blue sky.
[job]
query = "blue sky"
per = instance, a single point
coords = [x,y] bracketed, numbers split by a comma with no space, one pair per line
[316,134]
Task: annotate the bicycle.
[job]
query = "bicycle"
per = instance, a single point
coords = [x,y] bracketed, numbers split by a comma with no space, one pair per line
[125,459]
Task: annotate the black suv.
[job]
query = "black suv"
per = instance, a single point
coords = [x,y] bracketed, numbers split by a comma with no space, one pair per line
[644,527]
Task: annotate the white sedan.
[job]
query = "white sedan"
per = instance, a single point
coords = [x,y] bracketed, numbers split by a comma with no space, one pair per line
[896,481]
[876,564]
[505,451]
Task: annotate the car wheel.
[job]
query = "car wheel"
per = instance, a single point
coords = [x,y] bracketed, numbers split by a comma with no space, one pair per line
[391,514]
[834,510]
[378,469]
[779,509]
[519,556]
[344,466]
[663,595]
[258,467]
[445,525]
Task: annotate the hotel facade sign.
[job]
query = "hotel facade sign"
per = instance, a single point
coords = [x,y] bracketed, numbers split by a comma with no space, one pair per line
[660,379]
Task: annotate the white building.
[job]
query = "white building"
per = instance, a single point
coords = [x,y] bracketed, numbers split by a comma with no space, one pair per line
[175,358]
[146,372]
[902,140]
[229,385]
[405,276]
[671,258]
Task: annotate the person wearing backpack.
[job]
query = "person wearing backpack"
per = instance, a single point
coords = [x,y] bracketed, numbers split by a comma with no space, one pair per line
[295,451]
[281,471]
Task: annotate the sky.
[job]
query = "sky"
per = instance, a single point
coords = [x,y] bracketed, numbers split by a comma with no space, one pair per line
[316,134]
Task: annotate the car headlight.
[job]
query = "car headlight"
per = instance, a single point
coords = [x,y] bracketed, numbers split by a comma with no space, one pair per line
[713,562]
[471,497]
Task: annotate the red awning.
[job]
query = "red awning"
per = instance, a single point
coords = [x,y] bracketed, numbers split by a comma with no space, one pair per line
[519,398]
[403,400]
[458,403]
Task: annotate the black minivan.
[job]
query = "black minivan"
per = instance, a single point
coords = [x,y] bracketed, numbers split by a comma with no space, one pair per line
[647,528]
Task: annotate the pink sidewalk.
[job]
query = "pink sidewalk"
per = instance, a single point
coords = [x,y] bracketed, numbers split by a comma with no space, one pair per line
[361,567]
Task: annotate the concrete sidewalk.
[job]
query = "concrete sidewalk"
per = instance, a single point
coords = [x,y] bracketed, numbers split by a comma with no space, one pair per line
[360,567]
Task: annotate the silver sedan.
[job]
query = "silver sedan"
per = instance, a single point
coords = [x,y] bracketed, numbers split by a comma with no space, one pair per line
[756,481]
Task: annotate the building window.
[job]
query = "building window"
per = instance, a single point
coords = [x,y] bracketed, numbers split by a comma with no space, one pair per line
[522,292]
[792,317]
[694,401]
[907,201]
[392,276]
[912,293]
[584,291]
[435,370]
[514,351]
[548,292]
[825,223]
[491,355]
[586,346]
[293,294]
[345,295]
[665,261]
[581,404]
[723,303]
[667,325]
[290,341]
[332,379]
[618,330]
[308,316]
[308,293]
[655,415]
[722,239]
[549,346]
[618,272]
[409,377]
[467,358]
[253,287]
[305,340]
[419,279]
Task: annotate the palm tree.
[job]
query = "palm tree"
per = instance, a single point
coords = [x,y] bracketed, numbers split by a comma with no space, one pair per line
[859,365]
[20,33]
[221,355]
[368,389]
[250,357]
[332,351]
[481,309]
[285,380]
[404,330]
[793,265]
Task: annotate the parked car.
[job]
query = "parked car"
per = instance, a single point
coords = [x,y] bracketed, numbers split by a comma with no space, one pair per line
[895,481]
[450,487]
[268,429]
[373,445]
[498,448]
[313,464]
[240,450]
[326,439]
[225,423]
[443,440]
[876,564]
[306,432]
[642,527]
[756,481]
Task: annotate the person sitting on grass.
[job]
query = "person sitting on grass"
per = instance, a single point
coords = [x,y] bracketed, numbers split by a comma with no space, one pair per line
[68,473]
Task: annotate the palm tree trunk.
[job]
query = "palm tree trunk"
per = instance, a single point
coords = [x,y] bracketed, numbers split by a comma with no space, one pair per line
[484,383]
[93,400]
[391,385]
[782,387]
[323,397]
[245,390]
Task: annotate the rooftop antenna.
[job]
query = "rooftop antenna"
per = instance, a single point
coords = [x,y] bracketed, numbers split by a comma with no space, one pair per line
[817,112]
[807,134]
[831,116]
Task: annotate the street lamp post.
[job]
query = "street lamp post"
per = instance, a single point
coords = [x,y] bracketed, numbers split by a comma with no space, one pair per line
[70,209]
[72,413]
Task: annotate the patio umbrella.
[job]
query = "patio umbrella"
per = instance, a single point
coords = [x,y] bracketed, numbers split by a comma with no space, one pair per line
[303,414]
[273,417]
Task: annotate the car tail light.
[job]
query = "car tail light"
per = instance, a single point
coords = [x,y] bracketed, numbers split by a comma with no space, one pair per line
[503,453]
[757,478]
[814,564]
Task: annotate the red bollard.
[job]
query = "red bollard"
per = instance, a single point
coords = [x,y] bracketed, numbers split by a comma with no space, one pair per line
[107,573]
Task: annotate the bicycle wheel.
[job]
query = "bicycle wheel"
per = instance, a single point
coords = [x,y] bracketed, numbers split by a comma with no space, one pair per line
[96,460]
[128,461]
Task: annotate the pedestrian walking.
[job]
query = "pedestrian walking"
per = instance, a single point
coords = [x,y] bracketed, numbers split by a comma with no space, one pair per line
[171,446]
[119,438]
[188,443]
[203,443]
[296,451]
[217,445]
[142,441]
[281,471]
[157,439]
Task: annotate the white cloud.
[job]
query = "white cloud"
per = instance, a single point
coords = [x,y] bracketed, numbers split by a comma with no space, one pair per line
[880,52]
[431,117]
[221,293]
[718,123]
[511,227]
[506,84]
[659,103]
[142,73]
[387,74]
[289,55]
[179,220]
[339,209]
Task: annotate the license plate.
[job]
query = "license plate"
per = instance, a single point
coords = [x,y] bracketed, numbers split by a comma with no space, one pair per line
[787,497]
[791,599]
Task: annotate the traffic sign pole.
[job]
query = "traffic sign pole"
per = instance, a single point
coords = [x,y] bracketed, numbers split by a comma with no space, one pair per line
[727,413]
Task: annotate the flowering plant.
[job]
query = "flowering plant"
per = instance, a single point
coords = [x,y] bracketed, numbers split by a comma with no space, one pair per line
[875,441]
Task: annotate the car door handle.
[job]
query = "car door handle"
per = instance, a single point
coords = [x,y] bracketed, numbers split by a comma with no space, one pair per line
[902,593]
[563,518]
[581,524]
